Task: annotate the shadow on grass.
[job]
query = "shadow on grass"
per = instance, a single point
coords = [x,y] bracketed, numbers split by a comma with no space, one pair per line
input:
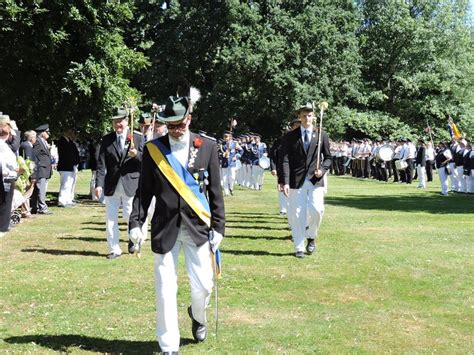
[63,252]
[255,252]
[254,214]
[63,343]
[84,239]
[256,227]
[266,237]
[429,203]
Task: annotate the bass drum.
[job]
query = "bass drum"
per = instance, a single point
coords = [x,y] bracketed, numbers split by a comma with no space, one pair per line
[385,153]
[264,163]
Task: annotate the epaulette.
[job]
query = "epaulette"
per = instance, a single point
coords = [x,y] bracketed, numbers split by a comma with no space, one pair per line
[208,137]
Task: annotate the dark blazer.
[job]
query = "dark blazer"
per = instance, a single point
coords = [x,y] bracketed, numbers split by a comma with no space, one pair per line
[420,156]
[296,164]
[274,154]
[170,209]
[43,167]
[114,163]
[26,150]
[68,154]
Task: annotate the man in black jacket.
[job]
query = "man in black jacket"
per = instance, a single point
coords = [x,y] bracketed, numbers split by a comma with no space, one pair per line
[302,179]
[67,168]
[181,170]
[118,169]
[420,163]
[43,170]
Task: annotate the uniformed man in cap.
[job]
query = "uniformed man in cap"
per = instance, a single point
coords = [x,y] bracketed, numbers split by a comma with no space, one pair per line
[181,170]
[43,170]
[231,153]
[118,169]
[302,180]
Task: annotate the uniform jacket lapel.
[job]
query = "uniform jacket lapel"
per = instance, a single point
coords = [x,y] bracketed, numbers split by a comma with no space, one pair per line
[312,147]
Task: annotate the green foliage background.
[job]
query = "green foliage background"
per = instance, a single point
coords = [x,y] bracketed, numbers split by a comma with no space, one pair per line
[387,68]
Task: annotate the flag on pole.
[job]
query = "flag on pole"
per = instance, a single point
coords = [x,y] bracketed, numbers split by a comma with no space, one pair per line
[454,131]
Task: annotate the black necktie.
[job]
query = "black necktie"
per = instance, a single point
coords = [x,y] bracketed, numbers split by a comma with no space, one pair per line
[306,140]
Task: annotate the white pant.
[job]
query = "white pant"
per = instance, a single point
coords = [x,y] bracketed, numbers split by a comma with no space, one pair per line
[283,201]
[257,176]
[67,187]
[246,175]
[421,171]
[461,186]
[149,216]
[305,209]
[453,176]
[199,267]
[443,178]
[228,179]
[470,182]
[112,206]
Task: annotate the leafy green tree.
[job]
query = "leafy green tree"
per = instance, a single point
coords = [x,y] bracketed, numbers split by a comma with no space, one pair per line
[416,55]
[254,61]
[65,62]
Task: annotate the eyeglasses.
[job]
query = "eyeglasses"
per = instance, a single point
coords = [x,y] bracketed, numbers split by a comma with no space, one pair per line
[181,125]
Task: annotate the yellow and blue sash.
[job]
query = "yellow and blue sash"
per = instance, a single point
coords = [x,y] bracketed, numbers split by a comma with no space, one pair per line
[181,179]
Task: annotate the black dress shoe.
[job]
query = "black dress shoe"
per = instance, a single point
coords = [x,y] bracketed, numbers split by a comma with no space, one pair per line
[310,246]
[45,212]
[170,352]
[299,254]
[131,247]
[199,330]
[112,256]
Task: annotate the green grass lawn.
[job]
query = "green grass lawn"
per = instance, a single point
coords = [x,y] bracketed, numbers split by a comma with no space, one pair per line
[393,272]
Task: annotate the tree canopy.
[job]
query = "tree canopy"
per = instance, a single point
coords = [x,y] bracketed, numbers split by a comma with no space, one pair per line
[387,68]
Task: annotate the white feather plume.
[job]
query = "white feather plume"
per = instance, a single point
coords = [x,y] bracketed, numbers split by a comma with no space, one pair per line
[194,95]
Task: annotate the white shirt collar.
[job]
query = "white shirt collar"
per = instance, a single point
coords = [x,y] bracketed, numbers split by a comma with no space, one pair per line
[309,129]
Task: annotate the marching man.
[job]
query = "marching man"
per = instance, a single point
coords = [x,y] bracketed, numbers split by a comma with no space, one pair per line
[181,170]
[302,180]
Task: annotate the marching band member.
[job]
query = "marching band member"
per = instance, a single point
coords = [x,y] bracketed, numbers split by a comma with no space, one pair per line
[459,166]
[259,150]
[469,170]
[180,170]
[430,157]
[453,173]
[302,181]
[231,152]
[118,169]
[420,163]
[443,158]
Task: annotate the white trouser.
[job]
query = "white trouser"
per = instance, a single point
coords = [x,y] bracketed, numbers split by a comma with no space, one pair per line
[67,185]
[228,179]
[199,267]
[283,201]
[453,176]
[421,171]
[112,206]
[247,174]
[257,176]
[461,187]
[470,182]
[305,209]
[443,178]
[238,175]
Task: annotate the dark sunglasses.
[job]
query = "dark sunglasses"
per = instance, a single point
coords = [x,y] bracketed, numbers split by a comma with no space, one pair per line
[181,125]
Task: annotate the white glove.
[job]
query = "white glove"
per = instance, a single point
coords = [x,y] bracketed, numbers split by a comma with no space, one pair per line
[215,239]
[136,236]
